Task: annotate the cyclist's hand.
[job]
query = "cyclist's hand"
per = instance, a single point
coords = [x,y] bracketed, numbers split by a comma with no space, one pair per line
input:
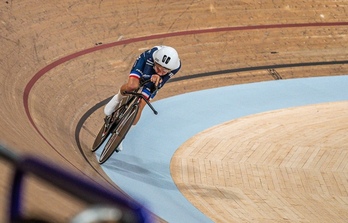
[156,79]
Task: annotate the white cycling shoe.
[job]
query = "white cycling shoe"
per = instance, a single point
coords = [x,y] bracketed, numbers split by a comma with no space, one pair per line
[110,107]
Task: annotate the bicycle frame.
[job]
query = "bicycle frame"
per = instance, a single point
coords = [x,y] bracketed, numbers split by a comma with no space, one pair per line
[140,95]
[117,127]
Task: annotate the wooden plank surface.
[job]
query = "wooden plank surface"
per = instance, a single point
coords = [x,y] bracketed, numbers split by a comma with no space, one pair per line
[40,114]
[292,168]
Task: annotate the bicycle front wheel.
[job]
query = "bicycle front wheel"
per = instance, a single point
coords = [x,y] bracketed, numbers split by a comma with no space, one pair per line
[119,133]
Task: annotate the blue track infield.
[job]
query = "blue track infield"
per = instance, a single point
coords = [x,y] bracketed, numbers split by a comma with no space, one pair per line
[142,169]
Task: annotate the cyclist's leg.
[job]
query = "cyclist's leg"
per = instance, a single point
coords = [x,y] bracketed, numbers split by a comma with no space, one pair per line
[112,104]
[131,85]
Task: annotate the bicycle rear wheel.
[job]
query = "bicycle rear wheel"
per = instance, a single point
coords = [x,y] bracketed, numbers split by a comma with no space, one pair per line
[102,135]
[105,129]
[119,133]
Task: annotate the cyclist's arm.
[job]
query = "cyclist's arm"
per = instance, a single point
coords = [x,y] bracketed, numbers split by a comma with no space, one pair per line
[150,90]
[137,69]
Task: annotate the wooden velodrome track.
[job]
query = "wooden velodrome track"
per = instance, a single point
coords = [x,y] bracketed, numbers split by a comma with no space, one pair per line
[60,58]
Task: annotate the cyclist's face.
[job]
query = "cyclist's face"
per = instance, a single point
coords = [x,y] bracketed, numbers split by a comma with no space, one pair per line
[161,70]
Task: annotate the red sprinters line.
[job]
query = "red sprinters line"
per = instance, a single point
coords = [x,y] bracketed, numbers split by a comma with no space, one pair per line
[56,63]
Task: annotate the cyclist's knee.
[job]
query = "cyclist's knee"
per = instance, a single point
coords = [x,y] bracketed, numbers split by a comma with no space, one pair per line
[128,87]
[132,84]
[132,87]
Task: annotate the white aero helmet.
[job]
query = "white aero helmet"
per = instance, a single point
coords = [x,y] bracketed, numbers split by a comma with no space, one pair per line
[167,57]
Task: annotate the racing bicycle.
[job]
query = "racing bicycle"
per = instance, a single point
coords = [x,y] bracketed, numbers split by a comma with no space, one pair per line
[118,124]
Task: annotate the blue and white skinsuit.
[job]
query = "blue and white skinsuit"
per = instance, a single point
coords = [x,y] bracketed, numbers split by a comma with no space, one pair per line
[143,68]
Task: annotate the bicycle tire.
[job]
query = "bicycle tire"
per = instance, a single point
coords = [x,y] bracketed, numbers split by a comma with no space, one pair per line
[119,133]
[102,135]
[104,131]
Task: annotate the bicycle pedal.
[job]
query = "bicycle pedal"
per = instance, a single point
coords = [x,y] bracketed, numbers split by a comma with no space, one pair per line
[107,120]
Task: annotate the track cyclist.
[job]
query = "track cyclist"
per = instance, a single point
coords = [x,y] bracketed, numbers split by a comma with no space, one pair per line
[158,65]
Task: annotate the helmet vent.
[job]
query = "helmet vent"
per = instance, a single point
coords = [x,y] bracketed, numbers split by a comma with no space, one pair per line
[165,59]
